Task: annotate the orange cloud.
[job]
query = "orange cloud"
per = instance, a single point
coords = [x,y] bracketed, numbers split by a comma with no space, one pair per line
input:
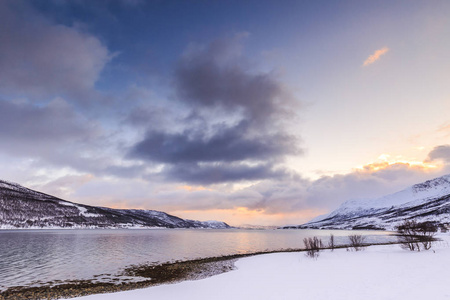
[385,161]
[375,56]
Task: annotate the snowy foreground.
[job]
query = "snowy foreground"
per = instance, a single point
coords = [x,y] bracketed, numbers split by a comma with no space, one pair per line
[379,272]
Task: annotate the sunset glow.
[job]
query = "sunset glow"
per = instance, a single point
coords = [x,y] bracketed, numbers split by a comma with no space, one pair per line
[385,161]
[243,216]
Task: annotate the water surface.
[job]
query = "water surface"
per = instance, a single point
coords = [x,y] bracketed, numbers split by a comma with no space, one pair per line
[34,257]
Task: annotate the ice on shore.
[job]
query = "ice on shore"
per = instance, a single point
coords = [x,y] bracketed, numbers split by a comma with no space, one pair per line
[379,272]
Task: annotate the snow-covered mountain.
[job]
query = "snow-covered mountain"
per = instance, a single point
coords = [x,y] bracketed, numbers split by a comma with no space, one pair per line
[427,201]
[21,207]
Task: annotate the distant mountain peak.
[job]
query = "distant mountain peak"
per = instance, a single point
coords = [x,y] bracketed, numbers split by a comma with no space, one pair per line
[426,201]
[21,207]
[439,183]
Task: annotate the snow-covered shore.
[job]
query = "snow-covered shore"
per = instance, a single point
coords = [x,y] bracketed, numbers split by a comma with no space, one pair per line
[379,272]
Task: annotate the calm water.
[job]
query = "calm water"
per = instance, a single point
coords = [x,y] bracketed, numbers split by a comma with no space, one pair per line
[33,257]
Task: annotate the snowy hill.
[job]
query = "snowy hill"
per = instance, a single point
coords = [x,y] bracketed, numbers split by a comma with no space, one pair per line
[427,201]
[24,208]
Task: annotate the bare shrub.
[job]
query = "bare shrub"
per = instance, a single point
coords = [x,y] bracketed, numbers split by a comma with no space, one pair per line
[427,231]
[415,236]
[331,243]
[357,242]
[313,246]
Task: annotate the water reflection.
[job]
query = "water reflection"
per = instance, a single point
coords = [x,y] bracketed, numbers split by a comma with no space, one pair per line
[30,257]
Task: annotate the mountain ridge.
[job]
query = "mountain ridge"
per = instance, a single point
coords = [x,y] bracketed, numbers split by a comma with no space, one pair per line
[21,207]
[427,201]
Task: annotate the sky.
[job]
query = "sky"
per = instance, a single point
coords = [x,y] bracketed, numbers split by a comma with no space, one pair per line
[249,112]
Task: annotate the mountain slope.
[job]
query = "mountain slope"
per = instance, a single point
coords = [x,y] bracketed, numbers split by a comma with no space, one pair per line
[25,208]
[427,201]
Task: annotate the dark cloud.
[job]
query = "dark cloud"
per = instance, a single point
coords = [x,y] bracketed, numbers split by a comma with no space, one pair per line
[39,59]
[236,116]
[221,173]
[227,144]
[440,153]
[209,78]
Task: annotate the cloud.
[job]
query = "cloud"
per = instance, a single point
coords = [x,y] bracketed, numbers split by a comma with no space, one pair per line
[328,192]
[48,74]
[371,181]
[210,77]
[221,173]
[440,153]
[375,56]
[52,134]
[235,126]
[226,144]
[268,191]
[28,127]
[284,197]
[296,194]
[65,186]
[40,59]
[55,135]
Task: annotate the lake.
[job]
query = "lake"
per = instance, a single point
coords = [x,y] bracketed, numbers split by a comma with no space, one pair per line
[36,257]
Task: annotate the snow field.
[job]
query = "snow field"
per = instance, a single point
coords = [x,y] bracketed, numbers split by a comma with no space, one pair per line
[379,272]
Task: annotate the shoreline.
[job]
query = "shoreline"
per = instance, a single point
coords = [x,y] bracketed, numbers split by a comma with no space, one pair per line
[381,272]
[156,274]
